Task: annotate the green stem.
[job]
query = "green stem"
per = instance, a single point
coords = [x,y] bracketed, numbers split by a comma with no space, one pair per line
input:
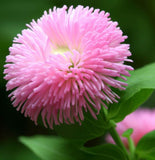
[118,140]
[114,133]
[131,148]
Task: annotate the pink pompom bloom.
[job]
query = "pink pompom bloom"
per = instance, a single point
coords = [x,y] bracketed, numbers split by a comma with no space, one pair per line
[65,63]
[142,121]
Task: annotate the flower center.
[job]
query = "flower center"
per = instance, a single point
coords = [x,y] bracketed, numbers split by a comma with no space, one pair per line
[60,50]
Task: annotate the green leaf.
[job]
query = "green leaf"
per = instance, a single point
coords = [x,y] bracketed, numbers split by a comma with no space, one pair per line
[140,87]
[127,133]
[146,146]
[56,148]
[89,129]
[106,151]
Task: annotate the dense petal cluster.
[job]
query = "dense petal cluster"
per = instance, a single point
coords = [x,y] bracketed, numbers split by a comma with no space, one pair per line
[142,121]
[65,63]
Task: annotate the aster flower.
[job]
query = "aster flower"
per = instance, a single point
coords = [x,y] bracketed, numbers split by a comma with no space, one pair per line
[142,121]
[65,63]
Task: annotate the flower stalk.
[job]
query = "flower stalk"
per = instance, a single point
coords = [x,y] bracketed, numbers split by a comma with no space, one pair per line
[131,148]
[114,133]
[118,140]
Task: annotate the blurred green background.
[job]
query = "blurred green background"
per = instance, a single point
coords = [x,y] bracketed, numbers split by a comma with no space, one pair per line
[137,20]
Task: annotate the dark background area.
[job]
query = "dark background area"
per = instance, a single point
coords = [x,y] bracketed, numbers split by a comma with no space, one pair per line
[135,17]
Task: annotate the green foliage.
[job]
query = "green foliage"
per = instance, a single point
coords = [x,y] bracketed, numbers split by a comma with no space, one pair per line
[107,151]
[127,133]
[140,87]
[146,146]
[56,148]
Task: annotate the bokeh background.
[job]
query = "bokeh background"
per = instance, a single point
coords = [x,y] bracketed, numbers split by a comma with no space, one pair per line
[137,20]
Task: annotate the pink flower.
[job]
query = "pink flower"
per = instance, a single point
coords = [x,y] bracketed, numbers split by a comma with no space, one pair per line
[65,63]
[142,121]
